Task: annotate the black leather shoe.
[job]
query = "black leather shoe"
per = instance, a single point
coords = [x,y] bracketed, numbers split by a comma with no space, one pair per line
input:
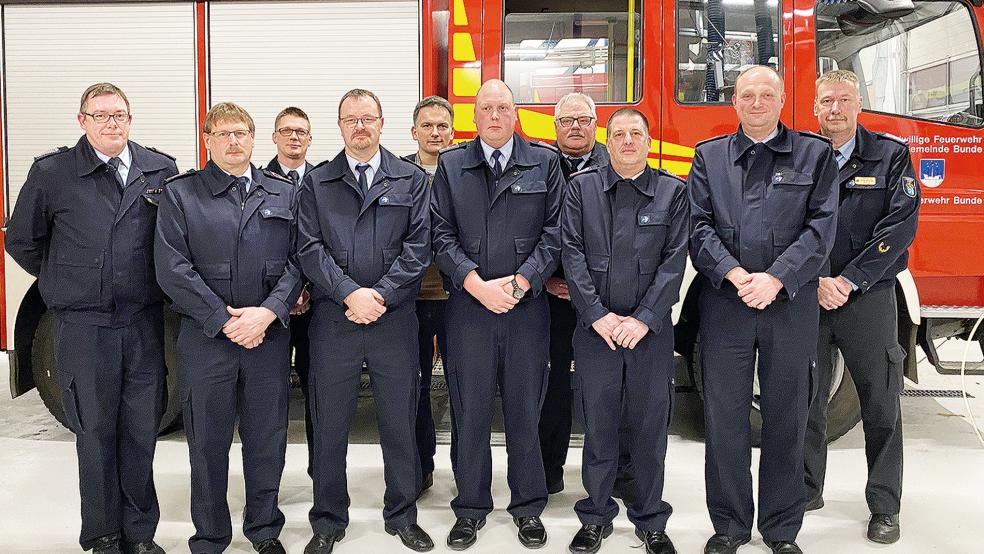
[723,544]
[464,533]
[814,504]
[107,544]
[884,528]
[427,483]
[656,542]
[588,539]
[784,547]
[413,537]
[556,486]
[269,546]
[149,547]
[322,544]
[531,534]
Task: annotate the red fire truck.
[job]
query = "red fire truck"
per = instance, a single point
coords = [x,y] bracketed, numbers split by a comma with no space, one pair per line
[919,63]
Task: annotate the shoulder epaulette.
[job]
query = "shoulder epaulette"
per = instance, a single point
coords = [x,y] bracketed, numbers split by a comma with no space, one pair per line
[277,176]
[813,135]
[892,137]
[542,144]
[51,153]
[415,164]
[452,147]
[180,176]
[662,171]
[712,139]
[165,154]
[589,169]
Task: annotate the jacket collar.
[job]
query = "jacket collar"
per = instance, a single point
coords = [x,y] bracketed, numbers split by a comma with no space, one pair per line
[865,145]
[389,166]
[87,162]
[219,181]
[644,183]
[521,154]
[740,143]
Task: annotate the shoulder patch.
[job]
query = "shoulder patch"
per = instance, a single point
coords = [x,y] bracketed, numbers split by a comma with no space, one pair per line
[542,144]
[813,135]
[894,138]
[188,173]
[456,146]
[712,139]
[51,153]
[662,171]
[590,169]
[277,176]
[165,154]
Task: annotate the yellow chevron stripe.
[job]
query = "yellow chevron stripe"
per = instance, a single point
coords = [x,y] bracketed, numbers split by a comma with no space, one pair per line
[466,80]
[460,15]
[462,48]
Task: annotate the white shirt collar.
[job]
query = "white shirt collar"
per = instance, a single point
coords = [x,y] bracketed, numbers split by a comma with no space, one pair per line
[373,166]
[124,156]
[299,170]
[772,135]
[506,151]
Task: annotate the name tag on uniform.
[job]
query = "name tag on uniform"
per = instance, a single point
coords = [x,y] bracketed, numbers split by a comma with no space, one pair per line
[865,181]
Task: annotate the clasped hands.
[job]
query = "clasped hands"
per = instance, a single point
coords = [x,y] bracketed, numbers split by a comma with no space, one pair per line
[495,294]
[757,290]
[248,326]
[622,330]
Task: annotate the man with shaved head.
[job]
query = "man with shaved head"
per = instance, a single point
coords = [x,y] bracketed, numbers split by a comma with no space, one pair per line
[759,237]
[496,232]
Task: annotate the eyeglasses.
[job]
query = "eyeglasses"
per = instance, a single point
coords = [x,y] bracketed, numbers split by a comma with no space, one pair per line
[101,117]
[240,134]
[287,131]
[583,121]
[366,120]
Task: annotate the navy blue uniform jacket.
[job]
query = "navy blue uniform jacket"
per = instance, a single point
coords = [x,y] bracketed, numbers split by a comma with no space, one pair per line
[214,251]
[514,228]
[381,241]
[765,207]
[90,247]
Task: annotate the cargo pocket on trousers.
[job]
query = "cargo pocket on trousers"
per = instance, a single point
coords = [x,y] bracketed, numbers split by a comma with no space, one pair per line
[70,404]
[896,355]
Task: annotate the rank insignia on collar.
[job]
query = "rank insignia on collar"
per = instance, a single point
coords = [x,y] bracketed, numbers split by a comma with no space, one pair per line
[865,181]
[909,186]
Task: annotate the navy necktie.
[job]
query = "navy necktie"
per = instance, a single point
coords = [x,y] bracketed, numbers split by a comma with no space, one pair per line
[496,165]
[293,176]
[363,180]
[243,184]
[114,163]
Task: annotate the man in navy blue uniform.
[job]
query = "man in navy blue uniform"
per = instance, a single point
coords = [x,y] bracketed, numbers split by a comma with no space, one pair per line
[292,135]
[879,206]
[225,250]
[763,206]
[365,244]
[84,226]
[624,251]
[496,225]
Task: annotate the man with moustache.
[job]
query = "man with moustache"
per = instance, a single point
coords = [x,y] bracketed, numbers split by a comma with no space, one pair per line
[495,208]
[292,135]
[576,122]
[878,211]
[433,129]
[225,255]
[84,226]
[365,244]
[624,248]
[763,211]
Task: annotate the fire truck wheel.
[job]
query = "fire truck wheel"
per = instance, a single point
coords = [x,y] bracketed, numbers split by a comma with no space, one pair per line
[46,373]
[843,412]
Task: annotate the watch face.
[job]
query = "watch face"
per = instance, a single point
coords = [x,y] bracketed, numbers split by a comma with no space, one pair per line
[518,293]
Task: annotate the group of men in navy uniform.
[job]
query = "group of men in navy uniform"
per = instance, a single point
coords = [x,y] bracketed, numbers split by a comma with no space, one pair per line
[531,256]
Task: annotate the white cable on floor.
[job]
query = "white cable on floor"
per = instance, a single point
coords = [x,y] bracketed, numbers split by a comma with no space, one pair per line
[963,379]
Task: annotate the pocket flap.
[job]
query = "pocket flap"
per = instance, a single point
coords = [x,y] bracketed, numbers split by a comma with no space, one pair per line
[221,270]
[597,262]
[788,177]
[275,267]
[396,199]
[531,187]
[784,236]
[83,257]
[276,213]
[648,265]
[526,245]
[896,354]
[654,218]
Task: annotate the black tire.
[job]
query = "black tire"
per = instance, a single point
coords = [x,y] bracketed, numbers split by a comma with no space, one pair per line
[843,412]
[46,373]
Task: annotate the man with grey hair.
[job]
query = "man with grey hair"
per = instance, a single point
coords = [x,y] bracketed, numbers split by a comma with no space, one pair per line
[877,217]
[576,122]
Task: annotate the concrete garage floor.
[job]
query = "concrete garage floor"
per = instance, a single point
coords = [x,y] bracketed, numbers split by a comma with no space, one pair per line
[943,503]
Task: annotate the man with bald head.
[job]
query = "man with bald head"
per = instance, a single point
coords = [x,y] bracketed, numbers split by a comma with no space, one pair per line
[759,237]
[496,230]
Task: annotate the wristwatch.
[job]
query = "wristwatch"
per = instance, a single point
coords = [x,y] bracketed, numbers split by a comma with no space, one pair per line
[518,291]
